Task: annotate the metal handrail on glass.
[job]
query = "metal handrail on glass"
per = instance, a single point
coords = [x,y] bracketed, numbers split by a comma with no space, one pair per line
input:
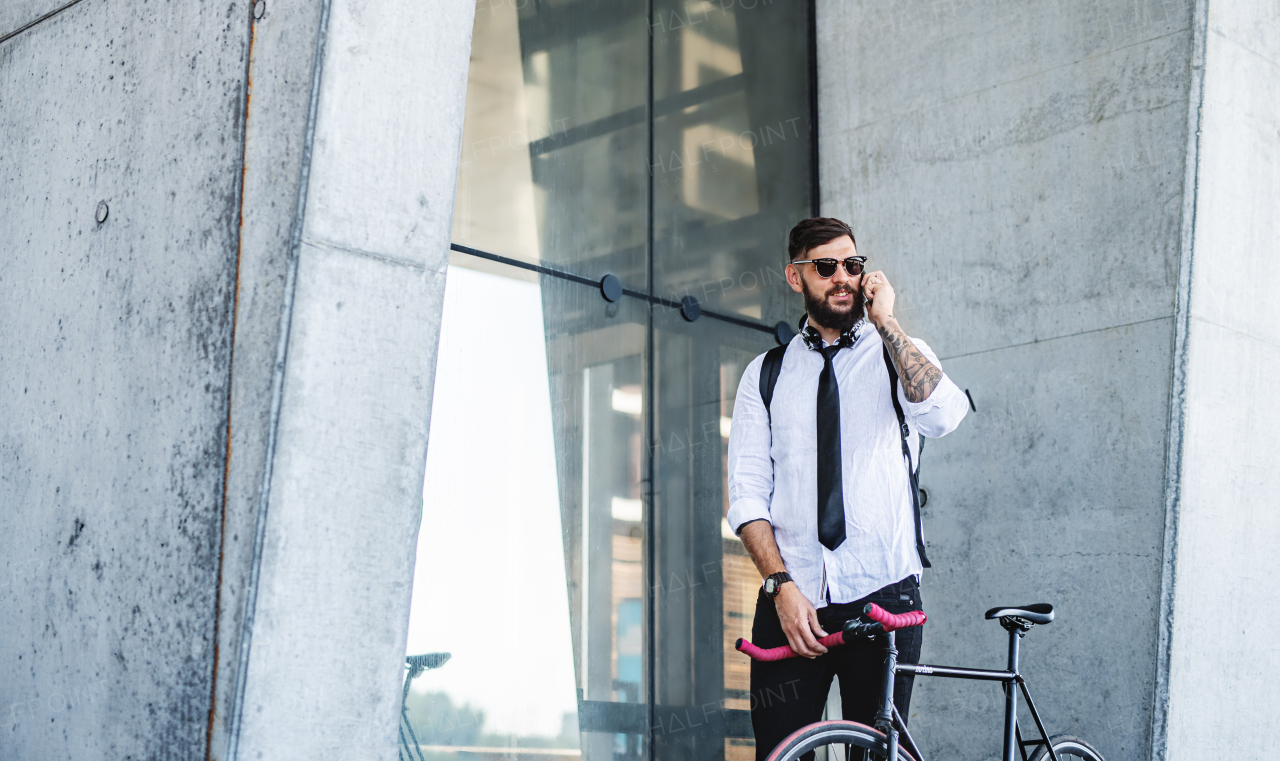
[415,665]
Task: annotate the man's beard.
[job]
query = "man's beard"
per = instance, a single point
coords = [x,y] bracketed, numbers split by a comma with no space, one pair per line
[820,310]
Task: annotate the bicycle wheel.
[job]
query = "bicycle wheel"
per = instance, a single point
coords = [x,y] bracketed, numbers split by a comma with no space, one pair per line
[823,733]
[1067,746]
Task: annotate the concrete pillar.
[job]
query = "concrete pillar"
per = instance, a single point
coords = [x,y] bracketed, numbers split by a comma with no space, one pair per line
[342,499]
[216,383]
[1044,183]
[1221,605]
[120,172]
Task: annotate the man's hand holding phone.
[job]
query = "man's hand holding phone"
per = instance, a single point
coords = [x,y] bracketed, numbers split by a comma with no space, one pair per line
[879,297]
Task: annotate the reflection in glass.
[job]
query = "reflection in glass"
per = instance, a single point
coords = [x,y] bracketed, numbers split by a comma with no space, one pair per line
[741,580]
[596,522]
[495,206]
[533,523]
[584,66]
[595,357]
[490,583]
[733,138]
[706,585]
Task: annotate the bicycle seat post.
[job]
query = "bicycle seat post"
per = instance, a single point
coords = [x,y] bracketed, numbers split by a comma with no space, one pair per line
[1017,630]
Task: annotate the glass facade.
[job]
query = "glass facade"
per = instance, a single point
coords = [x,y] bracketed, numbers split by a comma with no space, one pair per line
[573,557]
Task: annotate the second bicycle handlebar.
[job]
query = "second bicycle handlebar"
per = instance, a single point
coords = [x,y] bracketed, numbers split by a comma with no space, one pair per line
[884,622]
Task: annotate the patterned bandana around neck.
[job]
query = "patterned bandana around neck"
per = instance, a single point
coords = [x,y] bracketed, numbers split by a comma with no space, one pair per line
[814,341]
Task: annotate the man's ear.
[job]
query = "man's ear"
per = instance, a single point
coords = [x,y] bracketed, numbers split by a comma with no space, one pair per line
[793,278]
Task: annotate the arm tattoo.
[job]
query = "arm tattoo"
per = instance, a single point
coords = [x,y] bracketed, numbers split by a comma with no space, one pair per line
[918,375]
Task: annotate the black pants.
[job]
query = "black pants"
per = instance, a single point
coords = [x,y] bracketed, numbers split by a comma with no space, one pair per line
[787,695]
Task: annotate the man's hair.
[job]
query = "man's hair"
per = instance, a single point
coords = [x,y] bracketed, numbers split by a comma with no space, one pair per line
[814,232]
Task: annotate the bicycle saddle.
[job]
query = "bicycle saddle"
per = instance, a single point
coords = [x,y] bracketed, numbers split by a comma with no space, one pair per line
[1038,613]
[427,661]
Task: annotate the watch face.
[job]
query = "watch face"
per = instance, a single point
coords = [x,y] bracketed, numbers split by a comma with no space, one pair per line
[770,585]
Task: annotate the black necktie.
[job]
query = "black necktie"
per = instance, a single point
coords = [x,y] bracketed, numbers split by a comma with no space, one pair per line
[830,487]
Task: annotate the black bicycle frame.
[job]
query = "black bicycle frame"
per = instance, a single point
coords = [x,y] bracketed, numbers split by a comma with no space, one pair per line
[890,722]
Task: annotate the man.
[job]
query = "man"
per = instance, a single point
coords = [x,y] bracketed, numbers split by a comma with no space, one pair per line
[819,490]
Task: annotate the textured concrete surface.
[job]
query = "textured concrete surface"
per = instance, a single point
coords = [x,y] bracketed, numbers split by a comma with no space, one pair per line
[327,638]
[160,367]
[1017,169]
[114,360]
[1225,606]
[282,59]
[16,14]
[1031,501]
[330,624]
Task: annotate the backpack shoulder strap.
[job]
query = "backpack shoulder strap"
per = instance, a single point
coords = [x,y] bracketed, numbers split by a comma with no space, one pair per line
[770,369]
[905,432]
[897,405]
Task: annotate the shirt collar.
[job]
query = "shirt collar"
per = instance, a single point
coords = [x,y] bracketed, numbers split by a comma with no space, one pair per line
[815,342]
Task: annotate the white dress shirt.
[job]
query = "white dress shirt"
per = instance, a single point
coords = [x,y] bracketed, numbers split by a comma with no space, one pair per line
[773,474]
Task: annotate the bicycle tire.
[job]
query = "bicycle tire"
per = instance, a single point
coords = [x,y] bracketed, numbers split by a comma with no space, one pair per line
[835,732]
[1067,746]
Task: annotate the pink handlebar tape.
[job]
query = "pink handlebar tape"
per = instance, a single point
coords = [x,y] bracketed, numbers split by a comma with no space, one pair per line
[889,621]
[894,621]
[784,652]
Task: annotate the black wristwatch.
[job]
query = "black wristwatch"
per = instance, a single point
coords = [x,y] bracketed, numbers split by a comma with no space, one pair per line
[773,584]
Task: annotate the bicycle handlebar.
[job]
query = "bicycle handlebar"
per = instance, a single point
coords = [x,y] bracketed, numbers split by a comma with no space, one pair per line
[884,622]
[784,652]
[894,621]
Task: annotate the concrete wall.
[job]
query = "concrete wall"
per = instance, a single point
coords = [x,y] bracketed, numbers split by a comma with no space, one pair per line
[114,363]
[217,399]
[1018,171]
[1078,205]
[1224,607]
[346,458]
[283,52]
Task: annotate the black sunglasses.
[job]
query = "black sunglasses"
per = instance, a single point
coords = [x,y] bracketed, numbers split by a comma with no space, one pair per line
[827,267]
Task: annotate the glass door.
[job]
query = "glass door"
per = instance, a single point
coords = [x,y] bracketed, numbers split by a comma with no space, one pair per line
[630,170]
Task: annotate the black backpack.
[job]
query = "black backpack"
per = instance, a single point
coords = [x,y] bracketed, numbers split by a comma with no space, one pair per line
[772,368]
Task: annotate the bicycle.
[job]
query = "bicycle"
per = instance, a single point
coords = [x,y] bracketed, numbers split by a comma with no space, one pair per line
[415,665]
[889,738]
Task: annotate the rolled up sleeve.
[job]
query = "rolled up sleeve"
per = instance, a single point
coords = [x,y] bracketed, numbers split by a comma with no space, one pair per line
[942,411]
[750,462]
